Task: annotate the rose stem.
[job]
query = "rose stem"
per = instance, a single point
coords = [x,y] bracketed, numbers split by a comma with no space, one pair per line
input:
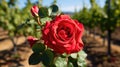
[38,21]
[67,60]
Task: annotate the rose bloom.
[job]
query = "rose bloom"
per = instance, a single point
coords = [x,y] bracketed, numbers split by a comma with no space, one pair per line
[34,10]
[63,35]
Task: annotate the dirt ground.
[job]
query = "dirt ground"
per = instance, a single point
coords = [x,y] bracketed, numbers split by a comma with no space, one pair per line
[97,52]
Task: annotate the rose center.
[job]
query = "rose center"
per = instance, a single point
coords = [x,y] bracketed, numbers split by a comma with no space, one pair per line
[63,33]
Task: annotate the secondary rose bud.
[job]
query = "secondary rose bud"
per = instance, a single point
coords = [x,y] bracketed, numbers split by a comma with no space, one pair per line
[31,40]
[34,10]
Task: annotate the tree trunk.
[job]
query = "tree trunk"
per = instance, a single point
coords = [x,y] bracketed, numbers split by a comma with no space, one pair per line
[109,42]
[14,45]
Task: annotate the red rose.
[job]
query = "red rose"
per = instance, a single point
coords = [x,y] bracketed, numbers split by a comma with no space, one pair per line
[34,10]
[31,40]
[63,35]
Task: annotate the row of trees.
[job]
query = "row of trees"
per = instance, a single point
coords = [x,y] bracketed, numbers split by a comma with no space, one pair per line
[13,18]
[106,18]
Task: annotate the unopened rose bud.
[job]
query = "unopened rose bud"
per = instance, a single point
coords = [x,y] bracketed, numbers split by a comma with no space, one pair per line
[34,10]
[31,40]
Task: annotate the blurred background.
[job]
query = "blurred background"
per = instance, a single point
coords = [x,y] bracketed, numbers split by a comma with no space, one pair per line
[101,19]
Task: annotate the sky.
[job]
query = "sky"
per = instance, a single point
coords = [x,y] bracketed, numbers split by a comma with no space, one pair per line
[66,5]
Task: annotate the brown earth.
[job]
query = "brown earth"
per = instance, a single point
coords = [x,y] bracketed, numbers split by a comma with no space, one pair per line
[97,49]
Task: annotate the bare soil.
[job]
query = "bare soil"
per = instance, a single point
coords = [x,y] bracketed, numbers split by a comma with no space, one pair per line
[97,54]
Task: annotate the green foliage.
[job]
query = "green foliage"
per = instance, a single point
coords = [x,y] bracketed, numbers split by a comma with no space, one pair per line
[43,20]
[71,60]
[49,60]
[47,57]
[41,55]
[35,58]
[60,62]
[81,59]
[13,18]
[47,14]
[84,17]
[106,18]
[73,55]
[78,59]
[70,64]
[38,47]
[98,17]
[43,12]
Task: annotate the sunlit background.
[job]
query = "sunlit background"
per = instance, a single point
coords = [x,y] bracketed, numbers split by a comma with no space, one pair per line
[65,5]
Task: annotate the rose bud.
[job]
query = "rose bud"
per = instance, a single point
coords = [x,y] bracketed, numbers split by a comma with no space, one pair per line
[34,10]
[31,40]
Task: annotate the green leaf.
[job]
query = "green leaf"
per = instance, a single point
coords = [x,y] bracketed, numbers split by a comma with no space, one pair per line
[81,63]
[35,58]
[43,12]
[70,64]
[60,62]
[73,61]
[47,57]
[81,59]
[42,65]
[38,47]
[43,20]
[82,54]
[74,55]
